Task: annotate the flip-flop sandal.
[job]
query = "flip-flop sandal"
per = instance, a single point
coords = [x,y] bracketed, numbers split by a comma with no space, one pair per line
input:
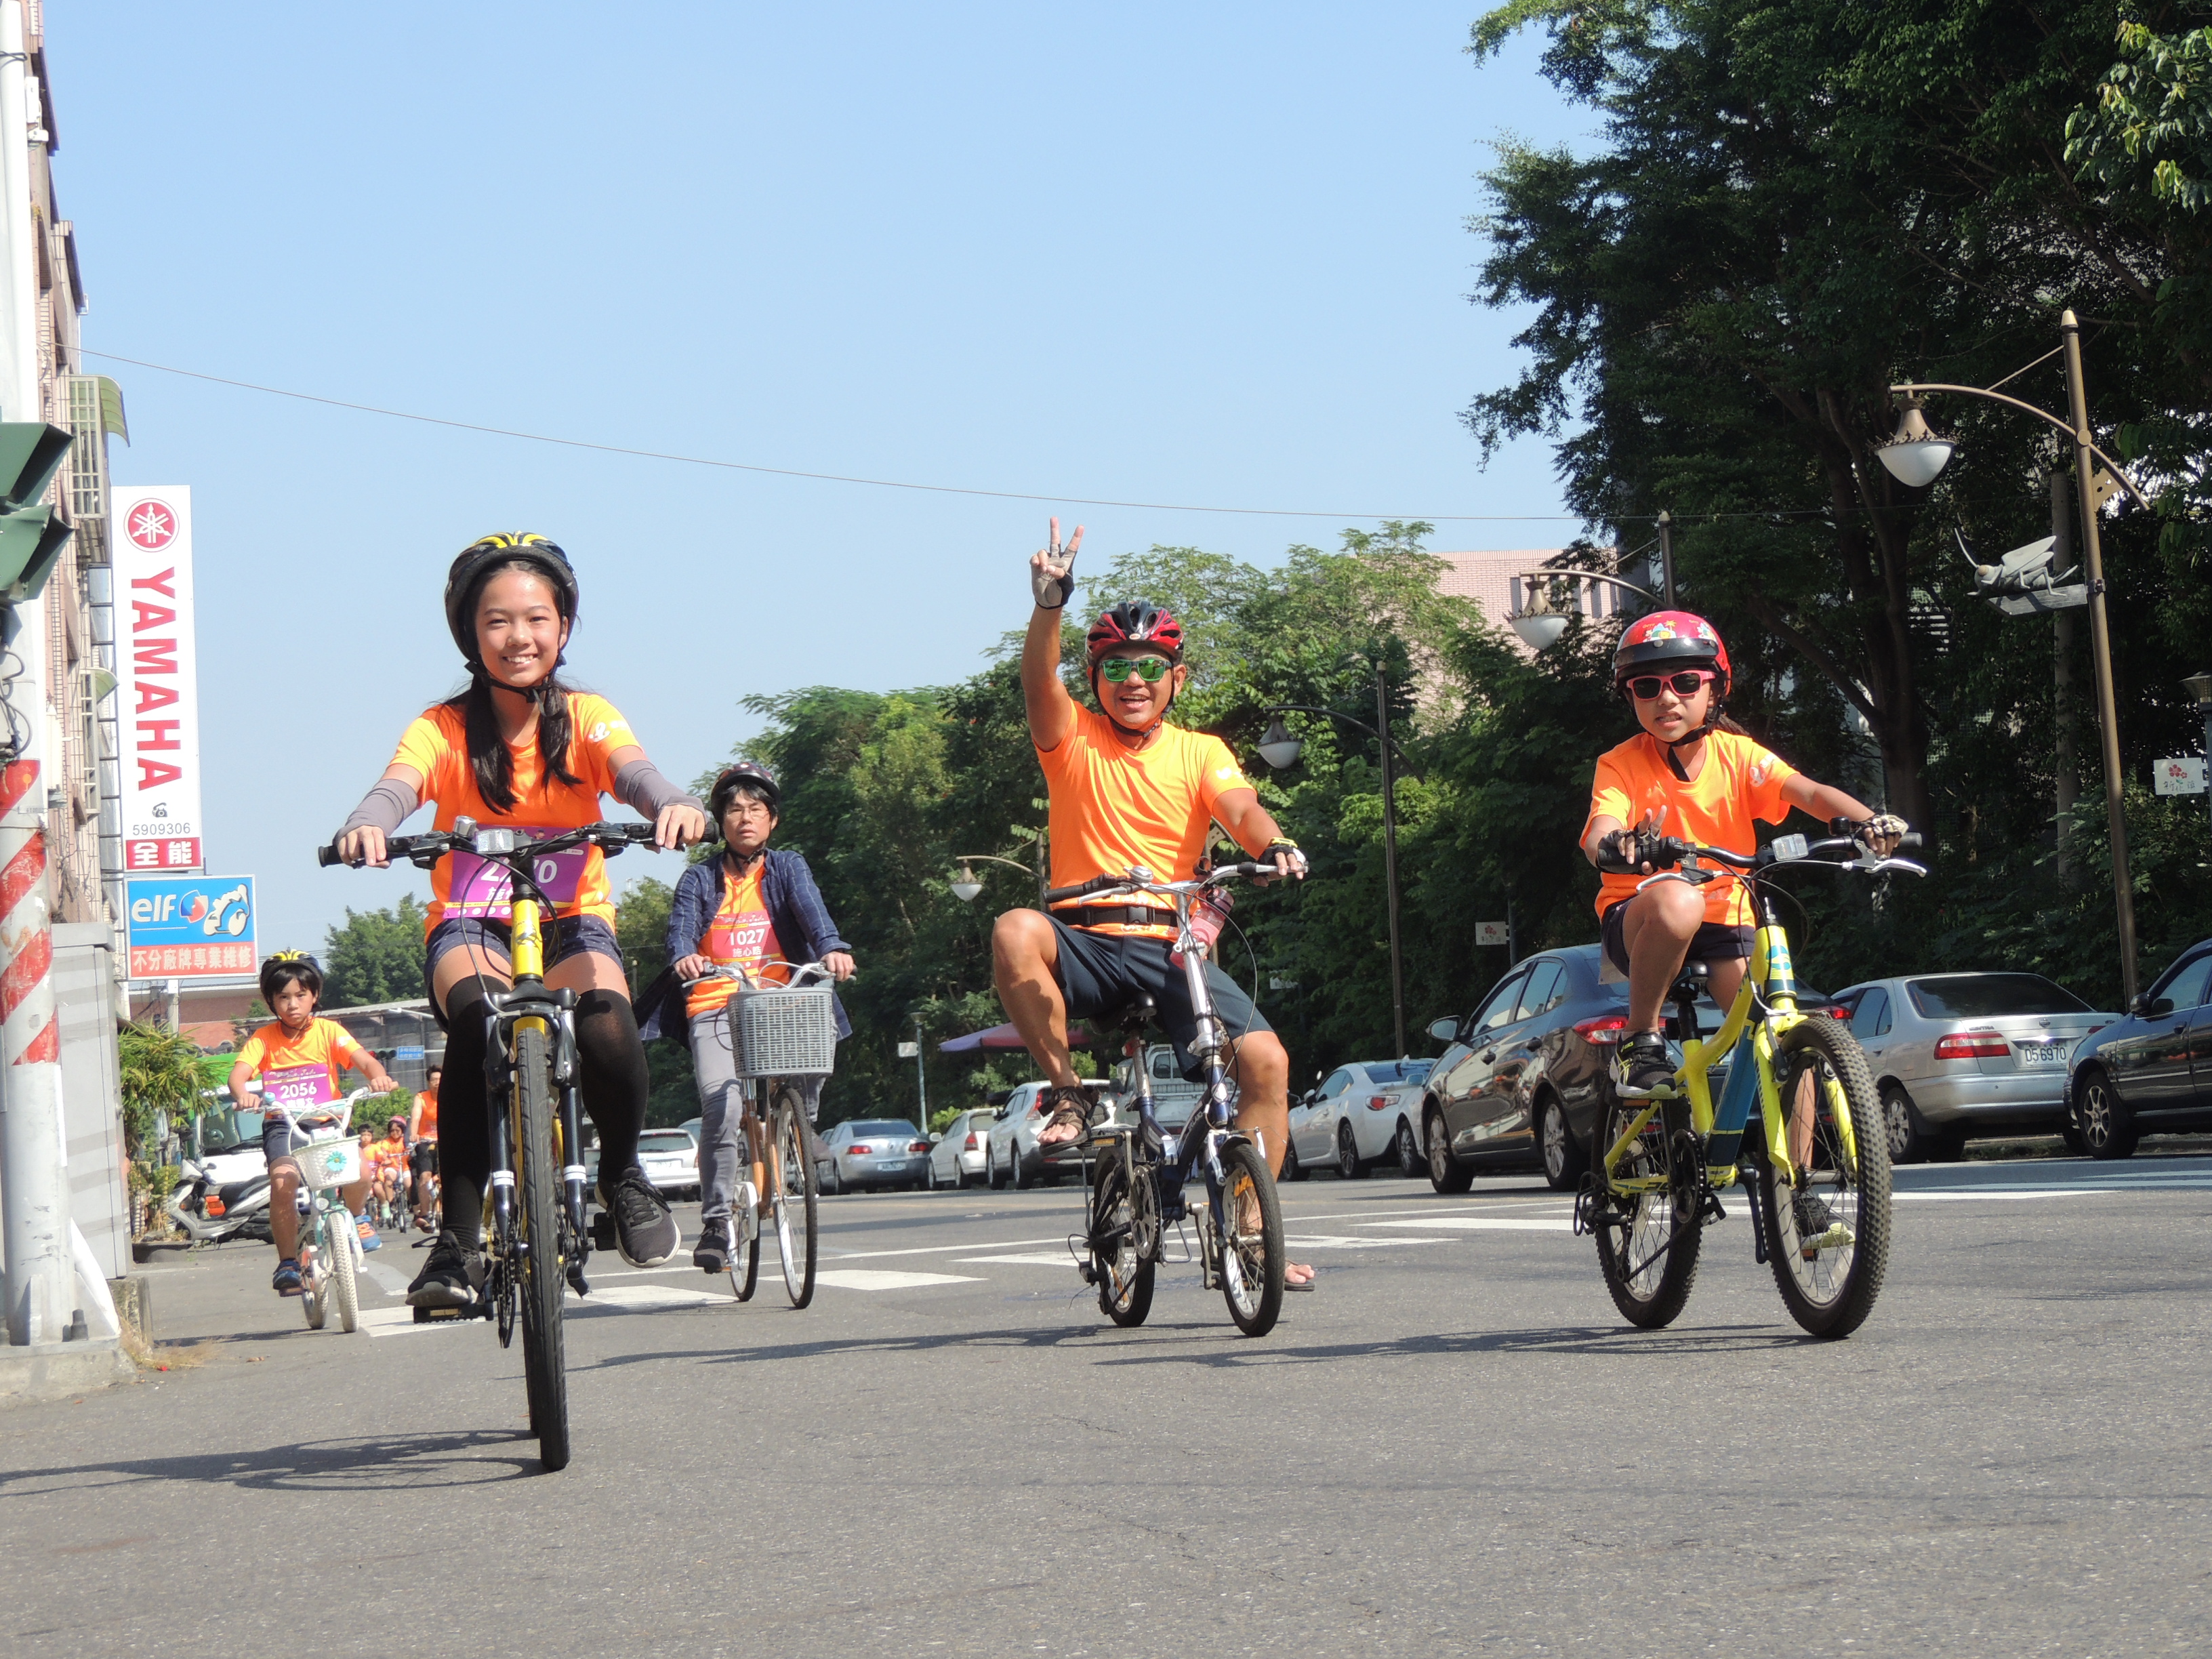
[1303,1284]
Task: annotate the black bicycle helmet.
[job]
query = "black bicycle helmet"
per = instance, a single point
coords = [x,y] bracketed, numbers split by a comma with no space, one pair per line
[737,772]
[474,564]
[285,966]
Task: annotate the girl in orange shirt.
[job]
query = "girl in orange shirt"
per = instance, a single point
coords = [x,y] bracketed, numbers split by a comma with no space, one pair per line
[521,749]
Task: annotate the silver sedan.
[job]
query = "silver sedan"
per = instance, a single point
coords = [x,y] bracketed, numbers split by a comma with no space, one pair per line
[873,1152]
[1959,1054]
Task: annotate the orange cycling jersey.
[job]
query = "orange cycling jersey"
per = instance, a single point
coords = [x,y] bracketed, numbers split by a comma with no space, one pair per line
[427,1103]
[1738,782]
[388,1154]
[302,1071]
[462,885]
[740,936]
[1113,806]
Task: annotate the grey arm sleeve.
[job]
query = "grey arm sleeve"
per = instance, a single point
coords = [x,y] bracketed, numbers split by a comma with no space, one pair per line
[386,807]
[639,786]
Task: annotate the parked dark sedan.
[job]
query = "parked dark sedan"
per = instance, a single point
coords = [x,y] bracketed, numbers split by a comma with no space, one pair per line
[1523,1078]
[2151,1072]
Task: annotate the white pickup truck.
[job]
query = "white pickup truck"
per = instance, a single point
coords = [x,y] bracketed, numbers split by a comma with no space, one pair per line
[1173,1099]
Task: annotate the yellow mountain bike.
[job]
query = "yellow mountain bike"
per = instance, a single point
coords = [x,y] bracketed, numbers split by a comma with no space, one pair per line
[534,1238]
[1798,1124]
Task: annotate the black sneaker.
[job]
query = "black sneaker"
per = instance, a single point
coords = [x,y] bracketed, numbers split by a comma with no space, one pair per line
[451,1278]
[1644,1069]
[644,1232]
[712,1254]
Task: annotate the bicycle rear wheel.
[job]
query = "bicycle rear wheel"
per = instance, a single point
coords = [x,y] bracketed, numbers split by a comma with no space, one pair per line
[1119,1264]
[1647,1247]
[341,1242]
[793,1178]
[314,1283]
[1252,1254]
[538,1228]
[745,1255]
[1827,1238]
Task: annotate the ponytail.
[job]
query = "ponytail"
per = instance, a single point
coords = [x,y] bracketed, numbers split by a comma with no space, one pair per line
[490,759]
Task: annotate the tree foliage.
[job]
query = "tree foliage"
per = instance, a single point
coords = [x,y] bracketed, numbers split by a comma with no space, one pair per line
[374,956]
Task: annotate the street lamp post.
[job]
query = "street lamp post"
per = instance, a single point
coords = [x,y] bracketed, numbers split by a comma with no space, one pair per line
[2199,686]
[1280,749]
[965,886]
[1915,455]
[1540,626]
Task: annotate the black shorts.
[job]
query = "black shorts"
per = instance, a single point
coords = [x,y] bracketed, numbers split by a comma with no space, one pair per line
[487,936]
[423,1159]
[1715,941]
[279,1142]
[1102,972]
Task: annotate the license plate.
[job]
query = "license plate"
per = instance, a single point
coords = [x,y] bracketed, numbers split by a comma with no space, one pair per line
[2041,1054]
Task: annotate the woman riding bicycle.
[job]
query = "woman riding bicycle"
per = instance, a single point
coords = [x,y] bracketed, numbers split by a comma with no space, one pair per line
[518,748]
[751,909]
[1128,789]
[296,1061]
[1694,774]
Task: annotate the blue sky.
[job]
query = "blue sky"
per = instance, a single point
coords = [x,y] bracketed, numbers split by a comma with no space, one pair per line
[1181,255]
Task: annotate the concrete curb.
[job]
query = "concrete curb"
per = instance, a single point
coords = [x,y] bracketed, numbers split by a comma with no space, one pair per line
[56,1371]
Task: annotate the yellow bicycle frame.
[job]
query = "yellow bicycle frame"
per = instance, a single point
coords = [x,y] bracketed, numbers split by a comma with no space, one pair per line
[1769,958]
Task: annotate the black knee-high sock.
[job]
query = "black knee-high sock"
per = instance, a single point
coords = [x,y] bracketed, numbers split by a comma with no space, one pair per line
[616,1081]
[464,1115]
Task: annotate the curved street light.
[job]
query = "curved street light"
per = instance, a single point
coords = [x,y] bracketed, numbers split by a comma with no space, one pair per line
[1538,625]
[1914,456]
[966,887]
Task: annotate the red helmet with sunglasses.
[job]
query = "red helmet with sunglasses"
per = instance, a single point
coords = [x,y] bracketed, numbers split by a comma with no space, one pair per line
[1664,649]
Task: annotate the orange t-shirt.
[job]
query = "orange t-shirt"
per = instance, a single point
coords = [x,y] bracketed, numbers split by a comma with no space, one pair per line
[427,1101]
[298,1072]
[1739,781]
[388,1153]
[1113,806]
[741,935]
[436,745]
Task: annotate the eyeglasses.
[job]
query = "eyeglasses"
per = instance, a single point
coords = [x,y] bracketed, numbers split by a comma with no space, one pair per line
[1684,685]
[1151,670]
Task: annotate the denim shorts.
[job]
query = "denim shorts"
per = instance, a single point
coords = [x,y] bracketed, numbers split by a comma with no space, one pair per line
[1102,972]
[565,937]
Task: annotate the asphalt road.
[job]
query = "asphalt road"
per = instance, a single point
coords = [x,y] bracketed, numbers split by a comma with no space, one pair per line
[1453,1446]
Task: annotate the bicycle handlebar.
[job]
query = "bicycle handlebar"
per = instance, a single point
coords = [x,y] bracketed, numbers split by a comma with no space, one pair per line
[500,845]
[799,972]
[1665,852]
[1141,881]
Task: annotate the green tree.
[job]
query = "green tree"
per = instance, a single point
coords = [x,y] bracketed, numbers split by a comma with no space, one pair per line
[375,957]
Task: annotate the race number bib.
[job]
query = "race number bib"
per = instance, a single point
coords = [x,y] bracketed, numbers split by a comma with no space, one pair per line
[476,887]
[740,941]
[294,1087]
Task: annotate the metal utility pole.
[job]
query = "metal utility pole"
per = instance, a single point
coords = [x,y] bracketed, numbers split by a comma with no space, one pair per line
[921,1074]
[41,1279]
[1390,859]
[2100,645]
[1667,557]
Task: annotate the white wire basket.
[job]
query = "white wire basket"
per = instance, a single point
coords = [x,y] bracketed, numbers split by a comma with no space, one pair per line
[784,1031]
[333,1162]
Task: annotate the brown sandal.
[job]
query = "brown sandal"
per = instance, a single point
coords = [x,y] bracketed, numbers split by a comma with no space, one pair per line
[1071,1108]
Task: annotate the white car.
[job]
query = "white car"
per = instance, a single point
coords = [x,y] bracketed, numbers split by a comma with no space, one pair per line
[1362,1116]
[956,1158]
[670,1159]
[1011,1154]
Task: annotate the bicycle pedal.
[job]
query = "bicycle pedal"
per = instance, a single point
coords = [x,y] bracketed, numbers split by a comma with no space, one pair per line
[1090,1272]
[603,1231]
[1709,1208]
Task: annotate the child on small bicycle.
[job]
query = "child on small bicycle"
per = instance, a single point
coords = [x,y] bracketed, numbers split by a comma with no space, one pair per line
[387,1162]
[753,909]
[520,748]
[1693,774]
[295,1061]
[422,1147]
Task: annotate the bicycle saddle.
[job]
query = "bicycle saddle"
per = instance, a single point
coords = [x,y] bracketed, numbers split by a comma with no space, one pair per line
[1694,978]
[1132,1016]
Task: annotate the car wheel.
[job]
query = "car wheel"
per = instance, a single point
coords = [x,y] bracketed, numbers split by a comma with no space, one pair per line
[2108,1129]
[1347,1153]
[829,1182]
[1408,1148]
[1292,1170]
[1564,1158]
[991,1174]
[1017,1169]
[1908,1135]
[1446,1173]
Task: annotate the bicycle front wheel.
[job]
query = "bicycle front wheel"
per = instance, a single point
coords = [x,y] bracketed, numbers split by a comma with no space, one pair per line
[1647,1240]
[544,1358]
[744,1254]
[793,1178]
[1827,1238]
[1119,1264]
[344,1244]
[1252,1254]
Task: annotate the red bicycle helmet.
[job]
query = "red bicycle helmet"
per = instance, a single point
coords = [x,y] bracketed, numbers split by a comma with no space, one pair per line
[1136,622]
[1667,639]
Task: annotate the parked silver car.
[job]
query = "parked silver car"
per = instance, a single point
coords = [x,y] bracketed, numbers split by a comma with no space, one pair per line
[1361,1117]
[1011,1154]
[956,1158]
[1960,1054]
[875,1151]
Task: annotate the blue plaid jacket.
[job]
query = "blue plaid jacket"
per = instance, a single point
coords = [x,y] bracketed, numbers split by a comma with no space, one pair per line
[802,924]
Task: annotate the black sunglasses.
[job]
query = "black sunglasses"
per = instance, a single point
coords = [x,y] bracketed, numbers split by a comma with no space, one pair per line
[1684,685]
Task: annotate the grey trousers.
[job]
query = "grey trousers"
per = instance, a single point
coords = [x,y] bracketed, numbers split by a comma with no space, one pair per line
[723,1154]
